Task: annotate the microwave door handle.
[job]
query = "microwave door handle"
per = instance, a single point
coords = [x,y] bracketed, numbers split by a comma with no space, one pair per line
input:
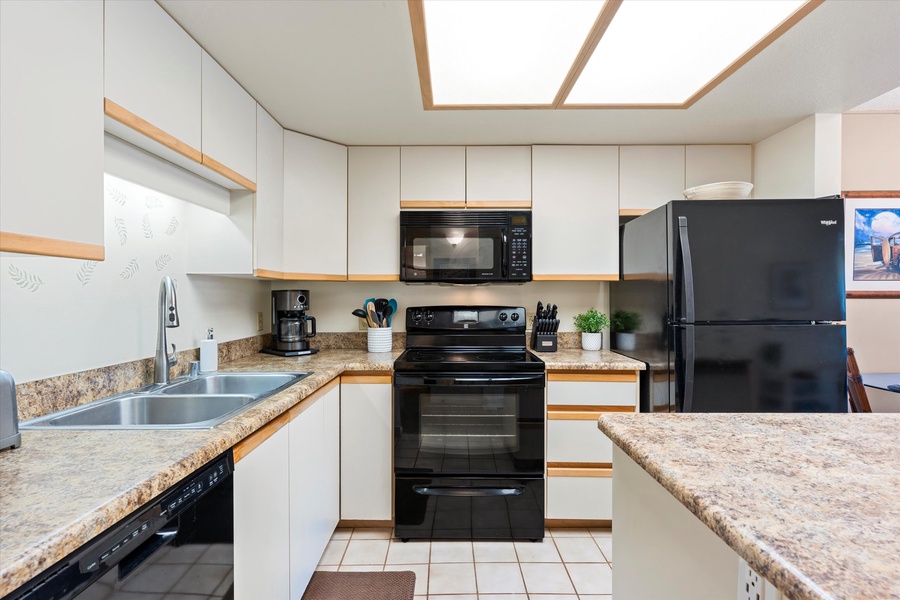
[504,262]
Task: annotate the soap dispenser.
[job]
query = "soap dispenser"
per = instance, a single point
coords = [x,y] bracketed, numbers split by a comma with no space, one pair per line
[209,352]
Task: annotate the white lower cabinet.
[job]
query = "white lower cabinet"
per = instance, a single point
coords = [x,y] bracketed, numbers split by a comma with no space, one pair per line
[366,442]
[579,455]
[286,498]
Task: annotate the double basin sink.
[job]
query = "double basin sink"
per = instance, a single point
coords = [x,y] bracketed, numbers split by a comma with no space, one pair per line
[194,403]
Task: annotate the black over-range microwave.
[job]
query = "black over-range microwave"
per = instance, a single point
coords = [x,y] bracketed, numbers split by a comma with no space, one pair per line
[465,246]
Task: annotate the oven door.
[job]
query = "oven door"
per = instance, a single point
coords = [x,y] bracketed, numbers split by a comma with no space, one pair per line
[472,425]
[453,254]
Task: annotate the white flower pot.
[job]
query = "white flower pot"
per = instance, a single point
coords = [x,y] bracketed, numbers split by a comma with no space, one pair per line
[591,341]
[625,341]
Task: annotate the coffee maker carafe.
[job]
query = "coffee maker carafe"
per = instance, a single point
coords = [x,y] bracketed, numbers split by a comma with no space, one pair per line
[291,326]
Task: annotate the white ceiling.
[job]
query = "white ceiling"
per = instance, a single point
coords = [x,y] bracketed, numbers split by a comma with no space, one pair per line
[346,71]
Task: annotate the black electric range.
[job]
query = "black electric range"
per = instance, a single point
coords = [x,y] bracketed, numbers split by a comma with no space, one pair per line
[468,426]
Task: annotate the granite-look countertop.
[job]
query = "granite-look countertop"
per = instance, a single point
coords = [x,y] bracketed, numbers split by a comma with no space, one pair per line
[62,488]
[588,360]
[811,502]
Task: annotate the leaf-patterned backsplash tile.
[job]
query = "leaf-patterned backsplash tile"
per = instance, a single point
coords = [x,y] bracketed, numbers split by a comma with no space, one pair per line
[130,271]
[146,227]
[162,261]
[121,230]
[24,279]
[153,201]
[173,226]
[116,195]
[86,271]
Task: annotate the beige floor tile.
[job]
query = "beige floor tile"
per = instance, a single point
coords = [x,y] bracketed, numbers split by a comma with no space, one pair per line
[591,579]
[421,572]
[537,552]
[327,568]
[579,550]
[595,597]
[567,532]
[507,597]
[603,532]
[452,597]
[334,552]
[409,553]
[366,552]
[552,597]
[495,552]
[606,545]
[546,578]
[372,533]
[451,578]
[451,552]
[499,578]
[358,568]
[342,533]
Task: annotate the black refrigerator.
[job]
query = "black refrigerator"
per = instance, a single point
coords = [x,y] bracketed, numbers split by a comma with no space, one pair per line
[741,305]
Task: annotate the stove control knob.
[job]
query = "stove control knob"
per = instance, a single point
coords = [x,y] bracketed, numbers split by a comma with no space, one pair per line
[417,316]
[515,316]
[503,316]
[429,317]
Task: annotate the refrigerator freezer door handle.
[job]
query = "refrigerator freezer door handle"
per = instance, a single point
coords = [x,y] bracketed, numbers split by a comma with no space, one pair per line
[687,270]
[689,359]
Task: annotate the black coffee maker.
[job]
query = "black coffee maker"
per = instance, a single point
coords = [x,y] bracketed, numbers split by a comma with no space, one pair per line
[291,326]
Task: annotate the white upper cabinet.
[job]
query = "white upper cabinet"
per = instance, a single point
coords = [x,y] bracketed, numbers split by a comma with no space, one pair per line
[433,176]
[153,68]
[575,212]
[650,176]
[711,164]
[268,226]
[498,175]
[51,128]
[229,123]
[373,204]
[315,209]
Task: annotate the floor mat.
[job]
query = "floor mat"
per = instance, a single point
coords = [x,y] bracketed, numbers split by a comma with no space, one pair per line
[355,585]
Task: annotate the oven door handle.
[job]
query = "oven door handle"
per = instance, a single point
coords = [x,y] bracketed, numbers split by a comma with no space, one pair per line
[537,379]
[469,491]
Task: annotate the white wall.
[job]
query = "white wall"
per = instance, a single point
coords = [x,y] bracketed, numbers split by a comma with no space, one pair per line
[802,161]
[60,315]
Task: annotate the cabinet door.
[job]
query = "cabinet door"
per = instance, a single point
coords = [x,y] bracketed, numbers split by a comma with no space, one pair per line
[229,123]
[575,212]
[307,502]
[51,118]
[315,209]
[498,176]
[373,213]
[710,164]
[433,177]
[268,227]
[153,68]
[650,176]
[331,464]
[262,520]
[366,457]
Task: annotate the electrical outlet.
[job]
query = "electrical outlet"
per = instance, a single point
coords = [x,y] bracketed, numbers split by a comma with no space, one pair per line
[363,324]
[750,585]
[259,321]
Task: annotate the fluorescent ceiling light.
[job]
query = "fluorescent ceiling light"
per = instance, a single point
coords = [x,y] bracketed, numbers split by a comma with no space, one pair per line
[504,51]
[663,52]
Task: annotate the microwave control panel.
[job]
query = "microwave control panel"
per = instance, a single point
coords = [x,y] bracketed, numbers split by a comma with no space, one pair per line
[520,246]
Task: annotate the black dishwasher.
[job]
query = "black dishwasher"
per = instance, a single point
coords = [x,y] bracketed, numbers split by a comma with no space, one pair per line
[179,545]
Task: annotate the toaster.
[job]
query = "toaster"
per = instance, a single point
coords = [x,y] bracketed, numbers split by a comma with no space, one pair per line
[9,415]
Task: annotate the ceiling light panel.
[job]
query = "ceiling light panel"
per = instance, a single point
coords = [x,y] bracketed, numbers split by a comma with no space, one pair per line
[663,52]
[504,51]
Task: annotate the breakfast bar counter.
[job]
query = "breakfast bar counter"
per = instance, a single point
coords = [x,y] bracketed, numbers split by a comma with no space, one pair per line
[810,501]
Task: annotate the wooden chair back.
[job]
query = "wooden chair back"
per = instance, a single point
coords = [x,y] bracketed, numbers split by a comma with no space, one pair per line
[859,402]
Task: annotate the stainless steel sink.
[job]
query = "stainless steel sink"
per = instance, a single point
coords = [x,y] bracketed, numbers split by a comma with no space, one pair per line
[199,403]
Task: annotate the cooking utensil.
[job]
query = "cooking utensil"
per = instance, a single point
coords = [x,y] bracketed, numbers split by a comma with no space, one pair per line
[386,316]
[358,312]
[372,317]
[393,304]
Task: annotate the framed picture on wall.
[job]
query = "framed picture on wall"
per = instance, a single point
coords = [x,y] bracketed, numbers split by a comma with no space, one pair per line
[872,238]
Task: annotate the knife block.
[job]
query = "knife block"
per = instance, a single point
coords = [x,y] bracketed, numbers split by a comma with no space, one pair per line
[543,342]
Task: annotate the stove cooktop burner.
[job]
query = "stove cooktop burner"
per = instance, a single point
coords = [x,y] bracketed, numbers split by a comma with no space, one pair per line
[501,357]
[426,357]
[467,360]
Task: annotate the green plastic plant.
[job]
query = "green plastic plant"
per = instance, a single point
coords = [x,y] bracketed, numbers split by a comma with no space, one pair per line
[591,321]
[625,321]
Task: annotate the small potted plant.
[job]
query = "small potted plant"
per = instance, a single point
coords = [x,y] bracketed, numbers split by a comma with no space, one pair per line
[625,324]
[591,325]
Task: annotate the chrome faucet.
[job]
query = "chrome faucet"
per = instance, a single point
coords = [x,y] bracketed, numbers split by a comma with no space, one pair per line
[168,317]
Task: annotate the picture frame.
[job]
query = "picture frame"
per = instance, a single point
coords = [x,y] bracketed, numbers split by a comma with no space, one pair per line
[871,235]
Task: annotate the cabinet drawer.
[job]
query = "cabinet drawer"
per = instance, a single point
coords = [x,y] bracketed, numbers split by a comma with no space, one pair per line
[579,498]
[593,393]
[577,441]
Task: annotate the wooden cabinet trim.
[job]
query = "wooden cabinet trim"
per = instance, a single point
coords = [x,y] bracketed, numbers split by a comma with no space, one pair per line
[311,399]
[366,378]
[432,204]
[577,277]
[214,165]
[373,277]
[498,204]
[582,413]
[268,274]
[312,277]
[249,443]
[31,244]
[633,212]
[605,376]
[129,119]
[563,469]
